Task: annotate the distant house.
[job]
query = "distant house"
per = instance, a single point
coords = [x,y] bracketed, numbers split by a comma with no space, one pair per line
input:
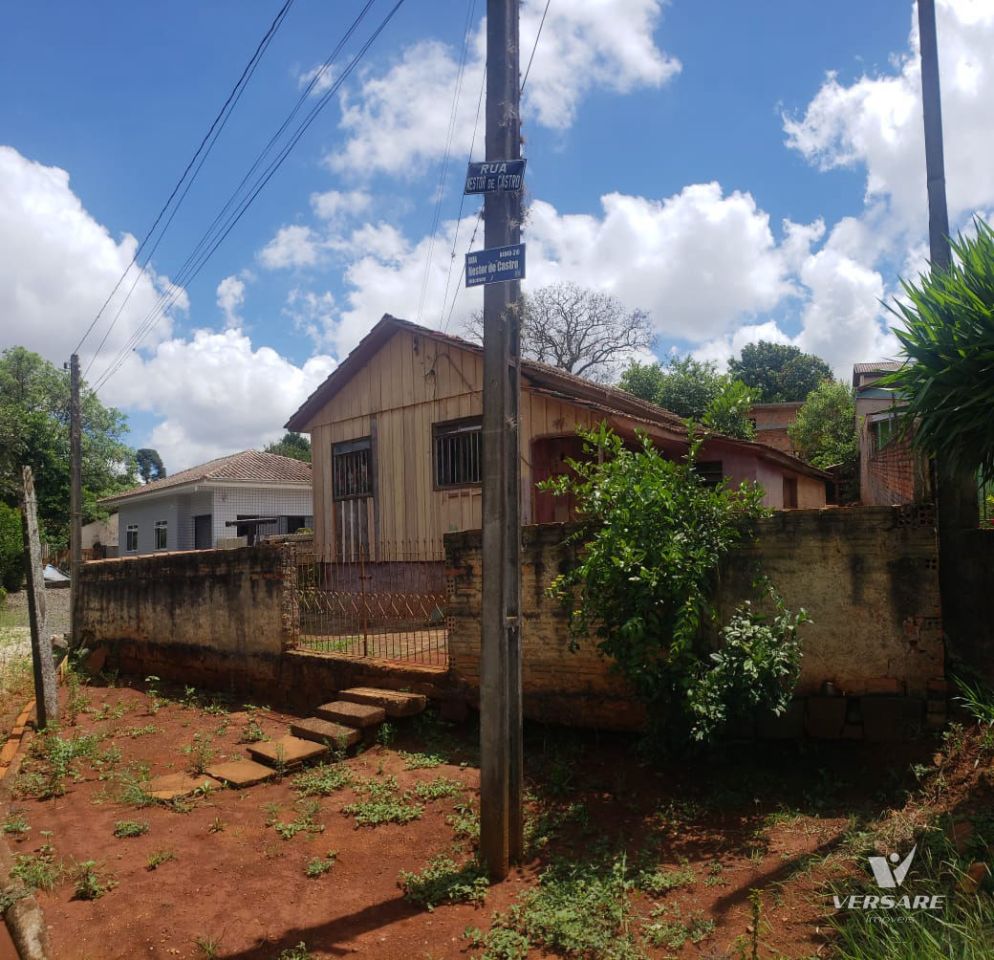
[397,445]
[771,421]
[198,508]
[890,472]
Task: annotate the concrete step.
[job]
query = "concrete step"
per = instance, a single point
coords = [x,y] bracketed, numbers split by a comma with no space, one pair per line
[241,773]
[395,703]
[359,715]
[289,750]
[325,731]
[176,786]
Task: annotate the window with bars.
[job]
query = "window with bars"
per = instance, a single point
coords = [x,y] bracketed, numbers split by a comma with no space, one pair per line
[458,452]
[352,469]
[161,534]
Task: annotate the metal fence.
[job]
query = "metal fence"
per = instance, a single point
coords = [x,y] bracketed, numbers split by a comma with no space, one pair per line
[391,608]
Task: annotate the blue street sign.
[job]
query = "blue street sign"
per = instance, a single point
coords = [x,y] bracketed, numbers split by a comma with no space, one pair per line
[495,265]
[495,176]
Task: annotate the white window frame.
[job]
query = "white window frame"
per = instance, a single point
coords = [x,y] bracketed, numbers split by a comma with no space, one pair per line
[162,525]
[132,528]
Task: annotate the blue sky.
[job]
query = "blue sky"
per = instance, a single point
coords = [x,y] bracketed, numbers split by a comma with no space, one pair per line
[708,125]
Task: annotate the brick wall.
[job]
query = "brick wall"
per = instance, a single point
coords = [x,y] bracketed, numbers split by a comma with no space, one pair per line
[866,575]
[890,474]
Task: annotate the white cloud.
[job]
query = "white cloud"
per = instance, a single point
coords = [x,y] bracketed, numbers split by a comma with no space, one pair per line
[334,205]
[398,120]
[323,77]
[215,393]
[58,265]
[293,246]
[230,297]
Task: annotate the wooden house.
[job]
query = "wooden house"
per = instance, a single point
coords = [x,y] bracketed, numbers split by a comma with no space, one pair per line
[396,443]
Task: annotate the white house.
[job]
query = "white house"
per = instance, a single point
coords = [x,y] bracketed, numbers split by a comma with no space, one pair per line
[197,508]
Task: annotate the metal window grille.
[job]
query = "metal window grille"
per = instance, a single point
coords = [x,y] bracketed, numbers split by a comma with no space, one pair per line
[161,534]
[351,469]
[710,471]
[131,538]
[458,452]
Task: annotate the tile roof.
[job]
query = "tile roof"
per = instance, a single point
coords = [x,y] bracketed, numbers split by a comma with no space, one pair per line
[249,466]
[878,365]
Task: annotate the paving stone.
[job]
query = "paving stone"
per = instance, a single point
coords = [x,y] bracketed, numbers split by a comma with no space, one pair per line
[289,750]
[174,786]
[394,702]
[240,773]
[352,714]
[318,730]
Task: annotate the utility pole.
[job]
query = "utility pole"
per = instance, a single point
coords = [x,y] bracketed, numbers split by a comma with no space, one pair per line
[46,690]
[501,821]
[956,490]
[75,499]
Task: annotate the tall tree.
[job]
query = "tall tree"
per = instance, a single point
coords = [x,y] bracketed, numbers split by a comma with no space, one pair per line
[34,431]
[149,464]
[694,389]
[777,372]
[292,444]
[579,330]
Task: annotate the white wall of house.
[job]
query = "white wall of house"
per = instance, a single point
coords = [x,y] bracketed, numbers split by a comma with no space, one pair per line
[223,502]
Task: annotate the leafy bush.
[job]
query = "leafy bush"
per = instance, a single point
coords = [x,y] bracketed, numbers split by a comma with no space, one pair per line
[443,881]
[651,541]
[11,549]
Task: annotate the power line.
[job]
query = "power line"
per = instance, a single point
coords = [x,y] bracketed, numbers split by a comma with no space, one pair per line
[217,125]
[528,69]
[462,272]
[212,243]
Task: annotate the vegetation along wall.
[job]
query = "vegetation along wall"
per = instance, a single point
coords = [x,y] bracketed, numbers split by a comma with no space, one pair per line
[867,576]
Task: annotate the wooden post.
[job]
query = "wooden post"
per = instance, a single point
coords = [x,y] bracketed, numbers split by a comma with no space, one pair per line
[46,690]
[501,825]
[75,498]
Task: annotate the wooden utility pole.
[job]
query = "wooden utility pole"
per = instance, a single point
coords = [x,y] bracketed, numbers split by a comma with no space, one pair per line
[75,498]
[501,821]
[956,490]
[46,690]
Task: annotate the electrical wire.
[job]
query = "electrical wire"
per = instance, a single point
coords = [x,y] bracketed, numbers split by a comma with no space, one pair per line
[528,69]
[202,152]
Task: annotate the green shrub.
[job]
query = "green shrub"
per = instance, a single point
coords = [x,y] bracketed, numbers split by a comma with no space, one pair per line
[444,881]
[11,550]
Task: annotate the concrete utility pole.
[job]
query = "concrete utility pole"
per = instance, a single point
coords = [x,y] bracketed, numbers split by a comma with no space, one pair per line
[956,490]
[501,822]
[46,690]
[75,498]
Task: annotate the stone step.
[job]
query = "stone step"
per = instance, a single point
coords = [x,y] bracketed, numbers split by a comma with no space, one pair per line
[240,773]
[394,702]
[359,715]
[324,731]
[289,750]
[176,786]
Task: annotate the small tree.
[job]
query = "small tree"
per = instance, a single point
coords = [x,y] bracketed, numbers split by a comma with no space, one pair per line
[579,330]
[948,345]
[824,432]
[294,445]
[777,372]
[650,543]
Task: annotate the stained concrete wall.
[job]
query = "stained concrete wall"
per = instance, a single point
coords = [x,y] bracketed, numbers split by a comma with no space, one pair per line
[867,576]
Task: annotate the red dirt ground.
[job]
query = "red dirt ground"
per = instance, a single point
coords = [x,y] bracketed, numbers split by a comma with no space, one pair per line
[245,888]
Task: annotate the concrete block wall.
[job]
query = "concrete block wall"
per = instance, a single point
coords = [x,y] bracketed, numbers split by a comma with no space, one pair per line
[867,576]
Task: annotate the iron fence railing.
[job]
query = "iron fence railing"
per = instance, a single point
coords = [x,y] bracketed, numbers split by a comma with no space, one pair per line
[391,608]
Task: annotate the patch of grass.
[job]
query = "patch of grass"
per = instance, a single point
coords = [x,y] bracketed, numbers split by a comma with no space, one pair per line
[91,882]
[51,761]
[438,788]
[39,871]
[421,761]
[201,753]
[157,858]
[133,788]
[209,947]
[500,943]
[130,828]
[107,712]
[444,881]
[372,813]
[668,928]
[319,866]
[144,731]
[299,952]
[545,825]
[322,781]
[304,822]
[977,700]
[658,882]
[16,824]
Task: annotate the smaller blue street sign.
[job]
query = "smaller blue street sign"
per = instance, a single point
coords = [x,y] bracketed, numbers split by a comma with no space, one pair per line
[495,176]
[495,265]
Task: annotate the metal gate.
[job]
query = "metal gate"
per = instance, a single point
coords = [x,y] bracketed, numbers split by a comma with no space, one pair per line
[389,608]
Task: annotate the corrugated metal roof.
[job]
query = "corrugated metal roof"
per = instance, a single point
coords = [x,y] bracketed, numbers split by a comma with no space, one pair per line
[245,467]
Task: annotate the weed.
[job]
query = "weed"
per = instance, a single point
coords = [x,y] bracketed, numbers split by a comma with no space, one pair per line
[304,822]
[201,753]
[155,699]
[322,781]
[145,731]
[386,734]
[252,732]
[299,952]
[209,947]
[76,701]
[107,712]
[500,943]
[133,789]
[977,700]
[437,789]
[39,871]
[217,826]
[444,881]
[130,828]
[714,877]
[544,826]
[953,737]
[669,929]
[319,866]
[91,883]
[465,822]
[371,813]
[16,824]
[421,761]
[157,858]
[658,882]
[51,762]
